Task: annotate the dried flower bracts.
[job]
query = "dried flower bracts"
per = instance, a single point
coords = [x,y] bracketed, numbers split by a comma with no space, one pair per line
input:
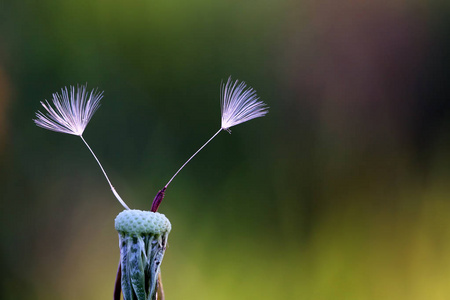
[142,241]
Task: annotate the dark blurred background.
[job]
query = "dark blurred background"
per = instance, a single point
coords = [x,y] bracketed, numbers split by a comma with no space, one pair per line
[341,192]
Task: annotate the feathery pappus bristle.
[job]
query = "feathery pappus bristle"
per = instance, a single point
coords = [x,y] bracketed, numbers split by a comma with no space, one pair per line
[72,110]
[239,104]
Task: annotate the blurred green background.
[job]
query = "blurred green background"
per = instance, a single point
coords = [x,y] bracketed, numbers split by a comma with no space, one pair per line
[341,192]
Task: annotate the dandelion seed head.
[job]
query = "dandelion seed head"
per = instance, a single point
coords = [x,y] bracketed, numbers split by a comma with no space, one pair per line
[72,111]
[239,104]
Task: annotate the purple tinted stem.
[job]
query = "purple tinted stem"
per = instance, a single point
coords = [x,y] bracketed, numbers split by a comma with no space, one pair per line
[158,198]
[118,285]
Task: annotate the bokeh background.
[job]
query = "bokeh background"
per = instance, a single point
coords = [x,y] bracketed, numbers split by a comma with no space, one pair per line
[341,192]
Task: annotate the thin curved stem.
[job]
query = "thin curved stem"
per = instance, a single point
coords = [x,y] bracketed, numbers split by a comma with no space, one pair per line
[106,176]
[192,157]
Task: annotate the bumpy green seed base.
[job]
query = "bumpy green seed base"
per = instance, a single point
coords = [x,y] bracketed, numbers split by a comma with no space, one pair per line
[135,221]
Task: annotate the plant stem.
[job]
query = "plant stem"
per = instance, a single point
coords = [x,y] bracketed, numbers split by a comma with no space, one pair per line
[106,176]
[192,157]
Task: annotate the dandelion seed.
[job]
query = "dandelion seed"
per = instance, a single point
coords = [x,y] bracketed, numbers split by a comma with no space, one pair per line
[238,104]
[71,114]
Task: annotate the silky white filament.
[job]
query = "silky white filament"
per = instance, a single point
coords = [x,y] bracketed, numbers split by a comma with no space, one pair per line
[72,112]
